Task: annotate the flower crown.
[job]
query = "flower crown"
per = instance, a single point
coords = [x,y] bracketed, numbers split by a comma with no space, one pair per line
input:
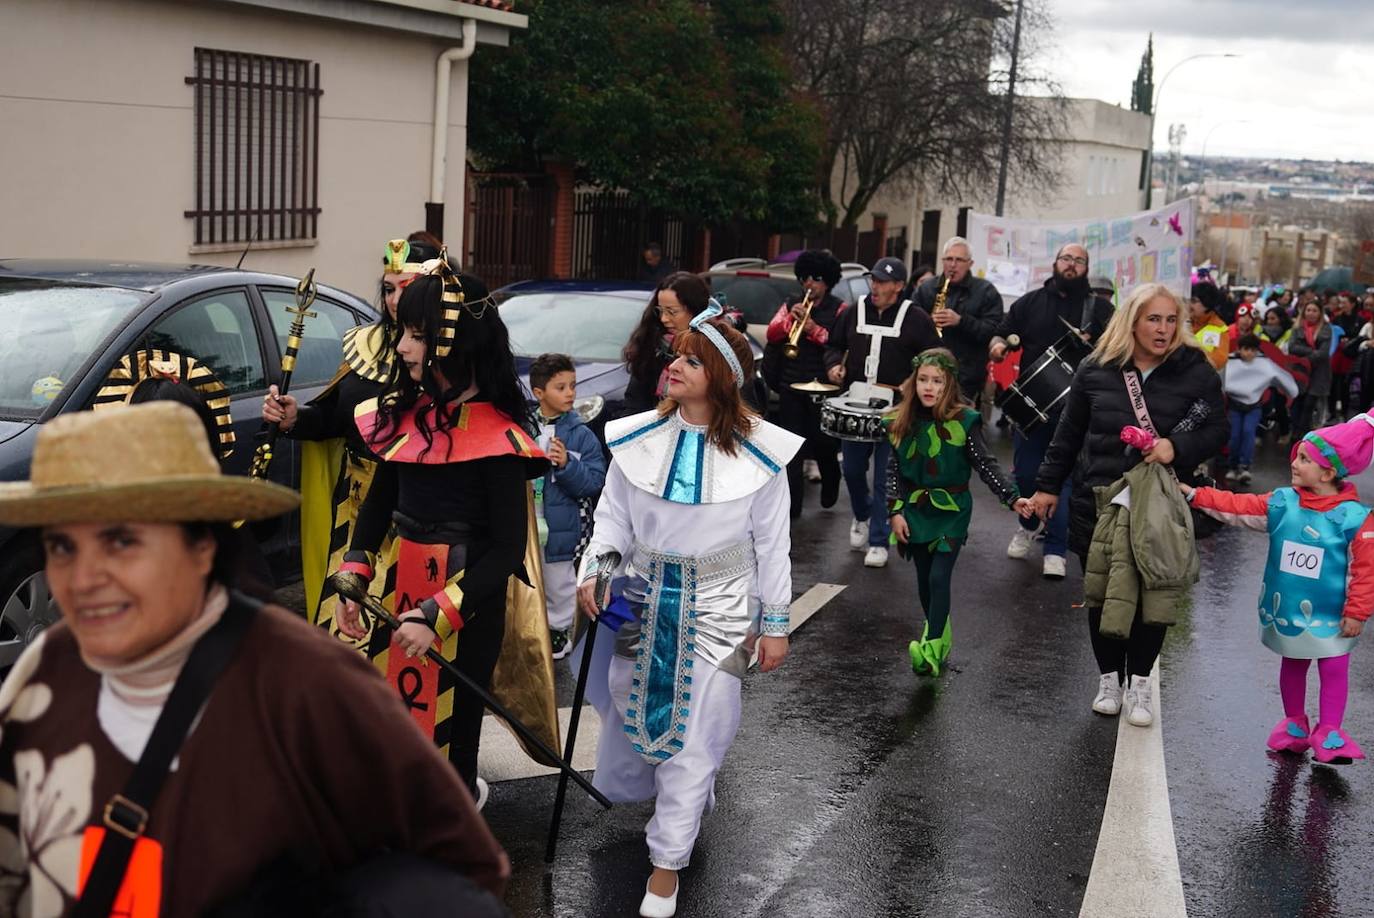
[943,361]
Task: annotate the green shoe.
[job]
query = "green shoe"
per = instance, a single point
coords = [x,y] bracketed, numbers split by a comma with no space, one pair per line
[936,652]
[918,659]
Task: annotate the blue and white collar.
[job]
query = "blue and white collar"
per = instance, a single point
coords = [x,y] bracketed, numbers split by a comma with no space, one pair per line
[676,461]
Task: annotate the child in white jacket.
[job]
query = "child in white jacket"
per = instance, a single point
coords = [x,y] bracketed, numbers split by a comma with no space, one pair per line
[1249,374]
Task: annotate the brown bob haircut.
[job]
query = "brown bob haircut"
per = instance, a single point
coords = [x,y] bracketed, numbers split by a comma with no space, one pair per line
[730,416]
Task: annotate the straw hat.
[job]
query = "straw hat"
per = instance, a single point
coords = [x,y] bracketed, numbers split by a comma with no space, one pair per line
[146,463]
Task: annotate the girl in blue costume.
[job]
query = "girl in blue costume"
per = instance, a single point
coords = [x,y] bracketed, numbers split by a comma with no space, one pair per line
[696,508]
[937,445]
[456,457]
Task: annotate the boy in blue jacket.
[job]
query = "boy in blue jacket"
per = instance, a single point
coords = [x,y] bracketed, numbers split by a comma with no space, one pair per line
[565,496]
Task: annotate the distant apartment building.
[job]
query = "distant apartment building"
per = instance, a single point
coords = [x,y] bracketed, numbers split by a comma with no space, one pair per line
[1102,156]
[1289,255]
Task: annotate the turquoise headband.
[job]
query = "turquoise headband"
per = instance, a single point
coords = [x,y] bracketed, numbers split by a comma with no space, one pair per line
[701,322]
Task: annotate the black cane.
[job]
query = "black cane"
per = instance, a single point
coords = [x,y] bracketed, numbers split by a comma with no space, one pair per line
[579,696]
[351,586]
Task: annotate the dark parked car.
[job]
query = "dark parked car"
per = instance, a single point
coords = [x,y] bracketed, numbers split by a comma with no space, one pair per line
[63,326]
[590,321]
[757,289]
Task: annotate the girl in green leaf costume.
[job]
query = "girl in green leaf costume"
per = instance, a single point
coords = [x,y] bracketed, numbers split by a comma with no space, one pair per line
[938,444]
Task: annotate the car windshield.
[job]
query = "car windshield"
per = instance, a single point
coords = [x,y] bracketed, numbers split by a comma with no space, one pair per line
[49,331]
[585,326]
[758,296]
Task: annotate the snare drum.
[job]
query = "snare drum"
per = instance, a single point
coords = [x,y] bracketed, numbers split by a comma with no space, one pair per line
[845,419]
[1042,387]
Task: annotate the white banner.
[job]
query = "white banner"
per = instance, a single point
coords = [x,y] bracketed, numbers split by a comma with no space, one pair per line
[1152,246]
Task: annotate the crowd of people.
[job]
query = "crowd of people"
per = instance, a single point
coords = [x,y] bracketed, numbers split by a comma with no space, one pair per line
[484,518]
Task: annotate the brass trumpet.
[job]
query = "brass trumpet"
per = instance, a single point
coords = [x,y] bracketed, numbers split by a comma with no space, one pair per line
[939,305]
[792,349]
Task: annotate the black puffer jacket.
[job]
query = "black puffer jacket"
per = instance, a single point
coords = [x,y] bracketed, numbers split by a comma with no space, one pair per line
[1098,408]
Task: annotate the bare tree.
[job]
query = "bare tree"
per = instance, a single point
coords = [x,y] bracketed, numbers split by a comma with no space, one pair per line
[914,91]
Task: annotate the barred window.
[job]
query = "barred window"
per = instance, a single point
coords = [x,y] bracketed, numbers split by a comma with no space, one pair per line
[257,148]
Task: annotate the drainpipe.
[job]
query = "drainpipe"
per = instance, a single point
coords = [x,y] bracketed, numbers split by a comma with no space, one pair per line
[434,207]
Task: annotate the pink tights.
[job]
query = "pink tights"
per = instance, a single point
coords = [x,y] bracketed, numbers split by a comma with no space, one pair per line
[1334,672]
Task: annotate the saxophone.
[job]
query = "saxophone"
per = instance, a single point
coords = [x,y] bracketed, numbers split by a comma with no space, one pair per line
[939,306]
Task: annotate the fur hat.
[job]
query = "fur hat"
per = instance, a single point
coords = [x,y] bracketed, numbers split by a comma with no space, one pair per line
[818,263]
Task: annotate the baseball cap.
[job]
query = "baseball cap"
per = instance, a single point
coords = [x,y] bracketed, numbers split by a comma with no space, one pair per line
[889,269]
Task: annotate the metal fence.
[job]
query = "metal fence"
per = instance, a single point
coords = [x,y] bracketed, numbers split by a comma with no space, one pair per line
[509,226]
[610,231]
[257,147]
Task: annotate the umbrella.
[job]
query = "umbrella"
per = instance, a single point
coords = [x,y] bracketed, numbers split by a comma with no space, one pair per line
[1338,279]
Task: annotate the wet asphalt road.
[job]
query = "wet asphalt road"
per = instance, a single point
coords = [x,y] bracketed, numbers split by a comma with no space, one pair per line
[856,788]
[1259,834]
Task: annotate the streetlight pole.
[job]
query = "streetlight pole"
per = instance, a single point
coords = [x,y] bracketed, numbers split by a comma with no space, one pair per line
[1154,108]
[1007,114]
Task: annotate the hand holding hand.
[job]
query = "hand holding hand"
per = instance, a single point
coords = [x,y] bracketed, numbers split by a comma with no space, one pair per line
[1043,504]
[772,651]
[900,528]
[281,410]
[1024,507]
[1351,627]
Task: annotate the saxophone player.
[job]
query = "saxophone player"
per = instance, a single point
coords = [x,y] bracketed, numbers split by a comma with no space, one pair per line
[818,271]
[973,310]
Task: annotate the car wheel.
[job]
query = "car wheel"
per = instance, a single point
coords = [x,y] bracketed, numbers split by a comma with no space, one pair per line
[28,608]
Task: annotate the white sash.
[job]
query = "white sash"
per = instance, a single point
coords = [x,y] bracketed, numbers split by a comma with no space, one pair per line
[876,334]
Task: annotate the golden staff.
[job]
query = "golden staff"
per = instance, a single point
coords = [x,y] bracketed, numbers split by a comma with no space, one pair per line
[305,295]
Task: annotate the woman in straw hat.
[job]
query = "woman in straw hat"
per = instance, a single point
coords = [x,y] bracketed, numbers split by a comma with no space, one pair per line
[269,776]
[457,459]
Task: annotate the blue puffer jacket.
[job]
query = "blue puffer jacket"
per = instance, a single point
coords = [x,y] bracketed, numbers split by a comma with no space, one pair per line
[570,490]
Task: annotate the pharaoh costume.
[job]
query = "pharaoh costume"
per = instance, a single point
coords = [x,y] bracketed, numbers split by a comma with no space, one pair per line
[927,483]
[704,538]
[461,503]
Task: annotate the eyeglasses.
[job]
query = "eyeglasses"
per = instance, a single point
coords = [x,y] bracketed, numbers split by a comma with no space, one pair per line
[1075,259]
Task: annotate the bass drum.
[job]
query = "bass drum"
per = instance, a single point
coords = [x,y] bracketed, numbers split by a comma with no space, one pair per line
[1042,387]
[847,420]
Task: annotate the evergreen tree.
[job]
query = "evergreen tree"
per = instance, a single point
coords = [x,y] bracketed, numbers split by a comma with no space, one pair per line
[1143,89]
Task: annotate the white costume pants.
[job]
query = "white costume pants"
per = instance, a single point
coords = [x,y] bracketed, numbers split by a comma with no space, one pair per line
[684,786]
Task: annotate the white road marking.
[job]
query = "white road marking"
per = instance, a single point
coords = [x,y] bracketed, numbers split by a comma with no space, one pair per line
[502,759]
[1135,870]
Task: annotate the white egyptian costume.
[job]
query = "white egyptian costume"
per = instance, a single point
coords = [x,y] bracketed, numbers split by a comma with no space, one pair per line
[705,542]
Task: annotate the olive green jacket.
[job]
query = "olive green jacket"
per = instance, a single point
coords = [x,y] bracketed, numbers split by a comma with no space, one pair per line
[1144,556]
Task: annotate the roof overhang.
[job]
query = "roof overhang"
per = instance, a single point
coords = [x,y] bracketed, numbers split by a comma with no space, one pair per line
[442,19]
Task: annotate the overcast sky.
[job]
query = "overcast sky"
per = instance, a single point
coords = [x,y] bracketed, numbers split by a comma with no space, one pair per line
[1303,81]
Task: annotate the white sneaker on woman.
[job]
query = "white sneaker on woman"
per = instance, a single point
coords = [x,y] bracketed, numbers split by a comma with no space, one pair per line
[858,535]
[1141,696]
[1108,700]
[653,906]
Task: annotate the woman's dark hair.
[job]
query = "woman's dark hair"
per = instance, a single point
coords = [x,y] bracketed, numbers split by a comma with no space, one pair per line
[641,351]
[480,354]
[167,390]
[1282,314]
[227,539]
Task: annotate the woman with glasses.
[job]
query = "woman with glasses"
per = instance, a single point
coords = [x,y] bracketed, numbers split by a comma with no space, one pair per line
[678,299]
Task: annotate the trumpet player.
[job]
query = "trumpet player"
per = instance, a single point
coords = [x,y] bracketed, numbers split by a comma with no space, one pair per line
[972,311]
[797,338]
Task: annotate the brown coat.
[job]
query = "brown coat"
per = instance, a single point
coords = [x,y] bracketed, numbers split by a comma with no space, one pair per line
[301,751]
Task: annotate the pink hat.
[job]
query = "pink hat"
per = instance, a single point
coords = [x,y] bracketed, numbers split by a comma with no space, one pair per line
[1347,448]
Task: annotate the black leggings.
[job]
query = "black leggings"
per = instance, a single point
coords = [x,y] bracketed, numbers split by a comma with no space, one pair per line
[479,646]
[934,574]
[1134,656]
[797,413]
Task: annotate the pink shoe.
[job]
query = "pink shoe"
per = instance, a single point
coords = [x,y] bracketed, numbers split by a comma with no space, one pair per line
[1333,746]
[1292,734]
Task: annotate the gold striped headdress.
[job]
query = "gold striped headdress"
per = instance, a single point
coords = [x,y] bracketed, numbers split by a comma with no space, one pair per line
[134,369]
[462,293]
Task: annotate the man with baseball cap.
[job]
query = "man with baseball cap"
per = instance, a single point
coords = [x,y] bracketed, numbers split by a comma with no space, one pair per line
[873,345]
[972,311]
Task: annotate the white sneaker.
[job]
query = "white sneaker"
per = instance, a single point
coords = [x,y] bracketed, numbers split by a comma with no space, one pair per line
[1108,700]
[858,535]
[1232,474]
[1053,568]
[483,792]
[811,470]
[876,557]
[1020,544]
[1141,697]
[653,906]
